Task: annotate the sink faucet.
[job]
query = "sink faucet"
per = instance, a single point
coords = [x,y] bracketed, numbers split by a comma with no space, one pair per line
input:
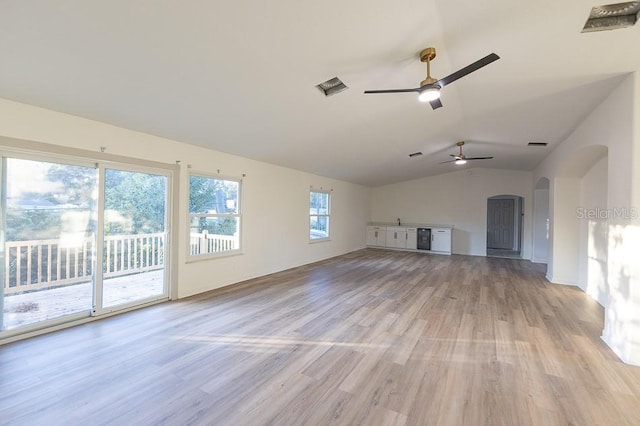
[398,221]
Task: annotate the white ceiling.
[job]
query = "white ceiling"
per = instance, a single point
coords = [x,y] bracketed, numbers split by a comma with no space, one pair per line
[239,76]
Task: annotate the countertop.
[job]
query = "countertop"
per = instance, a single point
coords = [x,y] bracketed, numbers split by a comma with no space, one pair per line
[409,225]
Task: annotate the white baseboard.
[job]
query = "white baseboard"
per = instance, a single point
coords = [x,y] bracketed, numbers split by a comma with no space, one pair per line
[556,280]
[536,260]
[619,351]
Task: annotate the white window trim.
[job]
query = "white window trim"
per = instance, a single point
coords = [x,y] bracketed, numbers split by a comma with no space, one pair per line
[215,255]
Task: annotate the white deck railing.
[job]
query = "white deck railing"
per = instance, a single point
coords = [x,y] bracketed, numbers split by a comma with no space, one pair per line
[211,243]
[36,264]
[127,254]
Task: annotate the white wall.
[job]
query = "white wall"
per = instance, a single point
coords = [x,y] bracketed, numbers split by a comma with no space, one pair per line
[540,250]
[622,318]
[592,275]
[275,212]
[566,231]
[612,129]
[458,198]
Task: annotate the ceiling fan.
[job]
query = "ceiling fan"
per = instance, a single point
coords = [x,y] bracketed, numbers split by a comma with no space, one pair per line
[461,159]
[429,90]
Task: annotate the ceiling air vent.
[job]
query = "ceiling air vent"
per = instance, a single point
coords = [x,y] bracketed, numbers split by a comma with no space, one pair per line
[415,154]
[612,16]
[537,144]
[331,87]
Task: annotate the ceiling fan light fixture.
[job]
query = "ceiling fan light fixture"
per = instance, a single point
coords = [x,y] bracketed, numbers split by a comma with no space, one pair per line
[460,161]
[429,89]
[429,94]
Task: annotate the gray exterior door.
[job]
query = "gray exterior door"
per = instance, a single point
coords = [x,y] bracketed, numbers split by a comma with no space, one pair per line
[501,224]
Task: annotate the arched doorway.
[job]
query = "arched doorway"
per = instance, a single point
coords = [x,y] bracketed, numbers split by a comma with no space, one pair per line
[504,225]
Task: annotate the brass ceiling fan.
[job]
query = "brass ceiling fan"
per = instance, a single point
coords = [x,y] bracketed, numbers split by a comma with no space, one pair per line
[461,159]
[429,90]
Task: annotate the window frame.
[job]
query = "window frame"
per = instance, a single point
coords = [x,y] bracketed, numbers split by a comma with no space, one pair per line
[327,215]
[238,215]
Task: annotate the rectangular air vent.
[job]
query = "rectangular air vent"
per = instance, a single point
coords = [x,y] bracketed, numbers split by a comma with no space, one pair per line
[612,16]
[537,144]
[415,154]
[332,86]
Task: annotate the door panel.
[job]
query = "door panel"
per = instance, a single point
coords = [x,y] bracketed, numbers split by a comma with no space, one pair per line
[135,211]
[412,238]
[49,243]
[441,240]
[500,224]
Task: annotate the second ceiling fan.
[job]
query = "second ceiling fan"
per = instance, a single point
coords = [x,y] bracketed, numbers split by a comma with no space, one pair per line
[461,159]
[429,90]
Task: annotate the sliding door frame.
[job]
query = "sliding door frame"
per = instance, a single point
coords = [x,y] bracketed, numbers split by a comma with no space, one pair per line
[38,151]
[98,289]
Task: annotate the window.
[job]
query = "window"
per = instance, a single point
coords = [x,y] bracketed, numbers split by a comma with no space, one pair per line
[318,215]
[214,215]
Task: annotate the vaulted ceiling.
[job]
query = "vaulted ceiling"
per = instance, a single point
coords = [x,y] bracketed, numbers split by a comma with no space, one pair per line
[239,76]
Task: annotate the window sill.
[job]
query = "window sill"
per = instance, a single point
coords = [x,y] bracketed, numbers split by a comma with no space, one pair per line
[212,256]
[319,240]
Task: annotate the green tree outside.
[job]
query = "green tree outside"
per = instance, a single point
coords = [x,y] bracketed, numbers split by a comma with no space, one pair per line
[213,196]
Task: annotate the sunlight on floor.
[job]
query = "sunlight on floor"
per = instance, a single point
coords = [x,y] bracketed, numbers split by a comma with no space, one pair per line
[265,343]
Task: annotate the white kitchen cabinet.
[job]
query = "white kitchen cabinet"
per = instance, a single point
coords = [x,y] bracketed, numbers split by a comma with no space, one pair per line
[412,239]
[376,236]
[406,238]
[441,240]
[396,237]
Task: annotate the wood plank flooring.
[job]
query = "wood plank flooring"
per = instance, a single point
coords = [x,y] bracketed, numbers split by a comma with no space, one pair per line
[369,338]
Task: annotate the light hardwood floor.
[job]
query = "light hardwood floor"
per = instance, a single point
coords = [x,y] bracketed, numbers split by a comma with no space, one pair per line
[372,337]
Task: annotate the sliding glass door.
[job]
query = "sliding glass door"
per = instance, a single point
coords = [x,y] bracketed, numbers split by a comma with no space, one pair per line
[49,240]
[133,259]
[79,240]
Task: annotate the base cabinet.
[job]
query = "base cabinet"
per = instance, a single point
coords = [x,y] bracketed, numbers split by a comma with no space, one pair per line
[441,240]
[376,236]
[396,237]
[412,238]
[406,238]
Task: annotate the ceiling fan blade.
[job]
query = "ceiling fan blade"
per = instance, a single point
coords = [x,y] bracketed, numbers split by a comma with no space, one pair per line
[479,158]
[450,161]
[468,69]
[435,104]
[393,91]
